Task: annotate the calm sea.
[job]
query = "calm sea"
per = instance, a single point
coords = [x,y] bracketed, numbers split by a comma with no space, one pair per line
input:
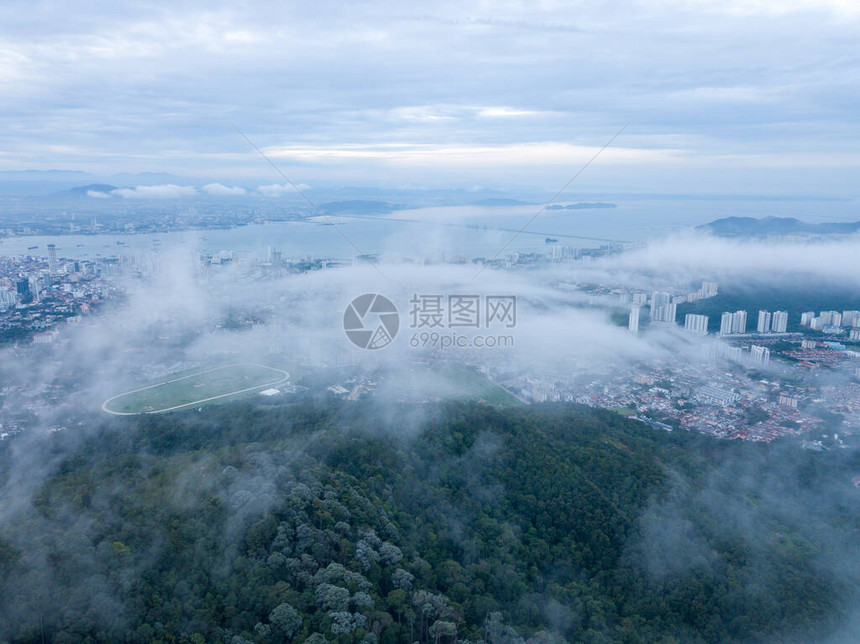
[443,231]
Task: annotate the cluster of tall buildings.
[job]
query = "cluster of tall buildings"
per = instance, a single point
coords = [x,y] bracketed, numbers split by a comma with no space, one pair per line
[733,323]
[663,307]
[18,291]
[8,298]
[758,354]
[708,289]
[832,320]
[697,324]
[736,323]
[776,322]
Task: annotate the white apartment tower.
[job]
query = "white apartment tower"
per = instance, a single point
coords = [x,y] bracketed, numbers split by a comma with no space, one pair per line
[733,323]
[697,324]
[779,321]
[726,324]
[659,300]
[763,322]
[739,322]
[709,289]
[760,354]
[633,321]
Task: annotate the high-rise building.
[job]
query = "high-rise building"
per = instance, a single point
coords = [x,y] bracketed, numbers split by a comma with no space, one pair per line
[854,335]
[739,322]
[670,312]
[696,323]
[726,324]
[22,286]
[763,322]
[663,308]
[806,317]
[633,321]
[760,354]
[733,323]
[779,321]
[830,318]
[709,289]
[7,298]
[850,318]
[659,299]
[52,258]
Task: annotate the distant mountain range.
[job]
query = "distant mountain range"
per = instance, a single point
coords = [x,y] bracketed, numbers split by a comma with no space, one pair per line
[47,183]
[752,227]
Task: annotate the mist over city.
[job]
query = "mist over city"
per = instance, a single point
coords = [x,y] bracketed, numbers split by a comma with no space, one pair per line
[492,322]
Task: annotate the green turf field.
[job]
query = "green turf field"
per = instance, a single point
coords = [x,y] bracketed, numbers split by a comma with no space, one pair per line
[197,388]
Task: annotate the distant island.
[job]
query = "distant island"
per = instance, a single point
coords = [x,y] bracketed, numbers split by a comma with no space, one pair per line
[752,227]
[582,206]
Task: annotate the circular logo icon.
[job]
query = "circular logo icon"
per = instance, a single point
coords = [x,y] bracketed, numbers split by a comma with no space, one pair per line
[371,321]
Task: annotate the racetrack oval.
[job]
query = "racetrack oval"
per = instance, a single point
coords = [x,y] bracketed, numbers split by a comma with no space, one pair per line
[199,388]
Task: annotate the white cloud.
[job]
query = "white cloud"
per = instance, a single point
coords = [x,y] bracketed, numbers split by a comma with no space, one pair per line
[501,112]
[730,80]
[97,194]
[279,189]
[840,8]
[690,256]
[165,191]
[219,189]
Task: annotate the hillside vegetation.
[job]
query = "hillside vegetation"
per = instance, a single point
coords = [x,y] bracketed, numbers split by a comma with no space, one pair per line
[460,522]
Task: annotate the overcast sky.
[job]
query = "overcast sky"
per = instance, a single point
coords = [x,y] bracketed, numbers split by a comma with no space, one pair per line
[741,96]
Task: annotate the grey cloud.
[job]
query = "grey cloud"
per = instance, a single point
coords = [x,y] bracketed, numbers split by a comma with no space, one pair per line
[726,81]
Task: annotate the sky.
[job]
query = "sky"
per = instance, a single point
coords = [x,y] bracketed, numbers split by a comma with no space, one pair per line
[695,96]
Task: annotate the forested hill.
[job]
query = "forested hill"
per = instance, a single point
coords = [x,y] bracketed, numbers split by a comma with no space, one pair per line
[752,227]
[453,523]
